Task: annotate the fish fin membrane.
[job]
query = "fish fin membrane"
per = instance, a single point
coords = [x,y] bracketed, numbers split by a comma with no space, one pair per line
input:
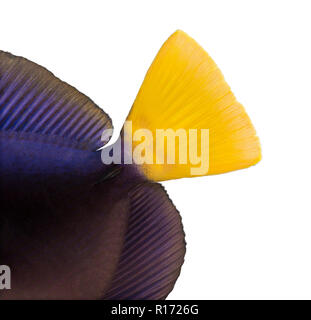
[184,89]
[154,247]
[34,101]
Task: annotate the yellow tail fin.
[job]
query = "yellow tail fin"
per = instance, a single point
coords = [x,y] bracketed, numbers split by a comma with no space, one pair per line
[184,89]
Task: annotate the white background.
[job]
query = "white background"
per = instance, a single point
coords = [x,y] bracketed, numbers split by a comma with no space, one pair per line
[248,232]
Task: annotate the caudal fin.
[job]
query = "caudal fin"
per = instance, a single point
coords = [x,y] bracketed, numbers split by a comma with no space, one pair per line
[184,89]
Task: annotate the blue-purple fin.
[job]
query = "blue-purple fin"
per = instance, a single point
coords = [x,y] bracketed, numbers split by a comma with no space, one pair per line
[154,247]
[34,101]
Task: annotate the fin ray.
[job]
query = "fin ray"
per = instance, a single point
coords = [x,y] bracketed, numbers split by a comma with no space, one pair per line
[184,89]
[33,100]
[154,247]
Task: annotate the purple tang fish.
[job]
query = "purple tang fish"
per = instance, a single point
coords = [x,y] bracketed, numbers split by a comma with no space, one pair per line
[81,220]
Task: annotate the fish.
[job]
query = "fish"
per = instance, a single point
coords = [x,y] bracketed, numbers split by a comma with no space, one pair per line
[74,224]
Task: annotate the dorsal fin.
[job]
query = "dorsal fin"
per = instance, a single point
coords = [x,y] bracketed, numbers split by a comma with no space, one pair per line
[33,100]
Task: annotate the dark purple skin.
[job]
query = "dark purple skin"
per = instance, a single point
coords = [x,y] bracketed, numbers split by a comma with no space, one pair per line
[70,226]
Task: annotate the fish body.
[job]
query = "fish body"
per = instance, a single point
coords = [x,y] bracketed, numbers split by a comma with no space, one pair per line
[74,227]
